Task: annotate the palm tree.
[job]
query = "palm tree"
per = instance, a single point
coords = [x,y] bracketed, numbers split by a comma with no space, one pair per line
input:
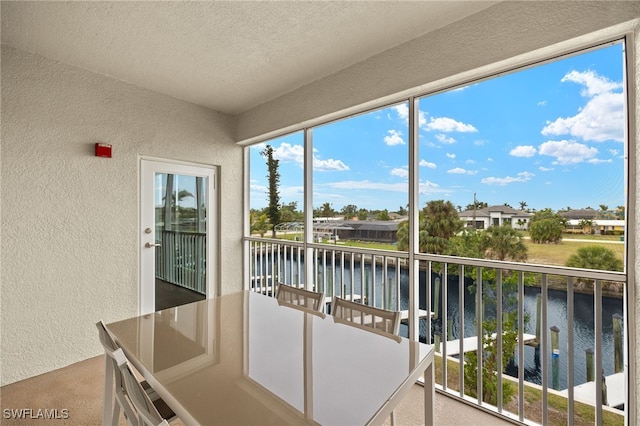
[440,222]
[504,243]
[181,195]
[327,211]
[586,225]
[523,205]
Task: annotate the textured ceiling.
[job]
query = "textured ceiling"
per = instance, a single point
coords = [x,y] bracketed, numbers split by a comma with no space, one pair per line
[229,56]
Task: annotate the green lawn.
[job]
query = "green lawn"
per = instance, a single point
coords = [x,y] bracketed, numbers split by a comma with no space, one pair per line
[584,414]
[557,254]
[543,254]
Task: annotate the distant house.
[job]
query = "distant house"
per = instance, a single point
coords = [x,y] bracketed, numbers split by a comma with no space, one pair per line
[496,216]
[580,214]
[597,226]
[364,230]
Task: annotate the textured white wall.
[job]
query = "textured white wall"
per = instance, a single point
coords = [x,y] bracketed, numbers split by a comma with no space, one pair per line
[70,220]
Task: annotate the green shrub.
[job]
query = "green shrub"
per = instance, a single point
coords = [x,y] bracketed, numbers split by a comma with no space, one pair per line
[595,257]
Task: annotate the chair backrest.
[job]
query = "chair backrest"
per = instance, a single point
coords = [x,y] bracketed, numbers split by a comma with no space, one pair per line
[298,296]
[105,338]
[366,316]
[146,410]
[110,346]
[110,349]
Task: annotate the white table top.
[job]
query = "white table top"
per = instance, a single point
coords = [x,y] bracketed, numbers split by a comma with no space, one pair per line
[243,359]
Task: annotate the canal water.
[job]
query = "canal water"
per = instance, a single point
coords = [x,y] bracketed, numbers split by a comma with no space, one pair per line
[584,337]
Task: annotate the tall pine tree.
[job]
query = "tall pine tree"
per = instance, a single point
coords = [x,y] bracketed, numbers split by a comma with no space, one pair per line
[273,211]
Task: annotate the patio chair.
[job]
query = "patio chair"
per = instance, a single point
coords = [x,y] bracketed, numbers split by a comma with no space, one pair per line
[298,296]
[110,348]
[150,413]
[381,321]
[366,316]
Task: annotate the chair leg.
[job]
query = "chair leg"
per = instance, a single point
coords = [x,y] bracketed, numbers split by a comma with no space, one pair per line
[392,418]
[115,413]
[110,405]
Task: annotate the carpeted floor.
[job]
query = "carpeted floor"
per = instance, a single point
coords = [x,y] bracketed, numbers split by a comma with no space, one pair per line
[74,395]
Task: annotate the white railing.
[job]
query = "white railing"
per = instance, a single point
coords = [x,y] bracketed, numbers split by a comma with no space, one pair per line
[180,259]
[568,353]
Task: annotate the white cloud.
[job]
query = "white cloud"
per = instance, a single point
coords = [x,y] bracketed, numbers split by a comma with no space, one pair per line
[394,137]
[451,155]
[425,163]
[446,124]
[461,171]
[295,153]
[523,151]
[614,152]
[428,187]
[594,83]
[368,185]
[601,119]
[599,161]
[521,177]
[545,169]
[567,152]
[403,113]
[445,139]
[542,103]
[470,161]
[329,165]
[401,172]
[258,188]
[288,152]
[490,160]
[291,192]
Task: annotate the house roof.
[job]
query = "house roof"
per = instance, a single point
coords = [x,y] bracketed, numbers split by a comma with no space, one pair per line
[486,212]
[359,225]
[579,214]
[228,56]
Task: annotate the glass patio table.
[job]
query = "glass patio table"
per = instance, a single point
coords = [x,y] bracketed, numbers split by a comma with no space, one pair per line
[244,359]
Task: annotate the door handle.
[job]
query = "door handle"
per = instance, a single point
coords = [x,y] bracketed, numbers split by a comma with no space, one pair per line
[149,245]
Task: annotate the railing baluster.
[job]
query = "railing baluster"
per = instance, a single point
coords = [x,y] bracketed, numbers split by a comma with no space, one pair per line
[520,346]
[479,331]
[461,327]
[429,302]
[544,347]
[385,303]
[445,320]
[299,264]
[362,278]
[324,272]
[342,284]
[499,336]
[352,276]
[599,373]
[570,350]
[372,302]
[397,287]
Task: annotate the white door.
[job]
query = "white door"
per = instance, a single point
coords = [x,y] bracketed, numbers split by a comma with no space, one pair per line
[177,233]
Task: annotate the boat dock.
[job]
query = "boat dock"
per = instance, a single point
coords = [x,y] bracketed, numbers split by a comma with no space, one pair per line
[586,392]
[471,344]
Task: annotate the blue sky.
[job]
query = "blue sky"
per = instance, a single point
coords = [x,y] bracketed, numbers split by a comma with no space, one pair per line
[551,136]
